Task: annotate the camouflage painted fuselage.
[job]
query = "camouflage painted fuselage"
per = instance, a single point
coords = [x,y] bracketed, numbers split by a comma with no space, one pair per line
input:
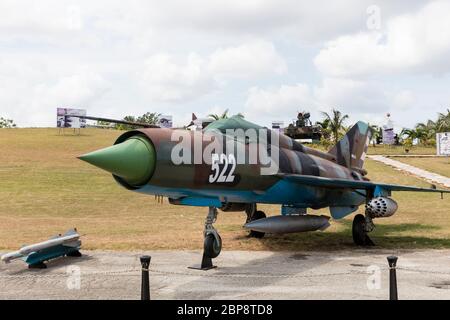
[230,166]
[189,184]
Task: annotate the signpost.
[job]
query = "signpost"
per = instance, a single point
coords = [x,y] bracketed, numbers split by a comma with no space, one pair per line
[278,126]
[69,118]
[165,121]
[443,144]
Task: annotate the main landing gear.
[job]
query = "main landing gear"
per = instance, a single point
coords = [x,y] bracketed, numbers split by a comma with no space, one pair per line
[252,215]
[361,226]
[212,244]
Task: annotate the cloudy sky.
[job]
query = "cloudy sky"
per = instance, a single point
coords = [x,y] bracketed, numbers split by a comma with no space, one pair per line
[267,59]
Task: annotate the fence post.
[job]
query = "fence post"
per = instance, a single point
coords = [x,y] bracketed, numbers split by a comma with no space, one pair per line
[145,285]
[392,260]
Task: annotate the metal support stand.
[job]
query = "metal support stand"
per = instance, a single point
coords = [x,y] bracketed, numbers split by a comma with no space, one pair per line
[206,264]
[75,253]
[250,211]
[210,219]
[209,229]
[39,265]
[369,226]
[145,284]
[392,260]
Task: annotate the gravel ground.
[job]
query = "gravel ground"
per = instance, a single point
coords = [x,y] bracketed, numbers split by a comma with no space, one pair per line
[357,274]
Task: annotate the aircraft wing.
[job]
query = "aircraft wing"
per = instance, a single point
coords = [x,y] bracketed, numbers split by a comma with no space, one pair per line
[353,184]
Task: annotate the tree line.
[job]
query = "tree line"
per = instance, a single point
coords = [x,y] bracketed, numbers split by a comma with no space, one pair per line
[425,132]
[147,118]
[7,123]
[333,128]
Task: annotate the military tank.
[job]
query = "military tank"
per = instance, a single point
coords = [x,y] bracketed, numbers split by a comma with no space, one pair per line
[303,129]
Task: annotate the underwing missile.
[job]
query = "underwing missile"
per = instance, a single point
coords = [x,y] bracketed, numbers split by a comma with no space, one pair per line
[57,246]
[289,224]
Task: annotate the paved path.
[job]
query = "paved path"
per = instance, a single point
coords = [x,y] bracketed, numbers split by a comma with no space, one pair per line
[345,274]
[427,175]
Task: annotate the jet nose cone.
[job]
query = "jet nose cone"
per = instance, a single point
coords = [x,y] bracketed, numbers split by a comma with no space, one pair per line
[132,160]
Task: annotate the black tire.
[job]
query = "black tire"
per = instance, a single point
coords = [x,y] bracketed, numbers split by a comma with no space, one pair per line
[359,234]
[257,234]
[211,246]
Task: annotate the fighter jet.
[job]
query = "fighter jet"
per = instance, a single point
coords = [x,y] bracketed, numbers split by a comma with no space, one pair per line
[234,165]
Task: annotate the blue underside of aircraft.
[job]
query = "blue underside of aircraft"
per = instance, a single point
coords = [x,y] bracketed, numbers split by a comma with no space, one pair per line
[285,193]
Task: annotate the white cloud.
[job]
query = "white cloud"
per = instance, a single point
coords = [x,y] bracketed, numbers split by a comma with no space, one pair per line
[418,42]
[166,78]
[278,102]
[30,91]
[75,90]
[299,21]
[148,24]
[403,99]
[361,100]
[251,59]
[178,57]
[352,96]
[32,18]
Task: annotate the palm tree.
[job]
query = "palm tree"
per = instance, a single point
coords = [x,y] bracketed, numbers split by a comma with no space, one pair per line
[416,133]
[375,132]
[224,115]
[427,131]
[443,122]
[122,126]
[324,128]
[149,118]
[335,123]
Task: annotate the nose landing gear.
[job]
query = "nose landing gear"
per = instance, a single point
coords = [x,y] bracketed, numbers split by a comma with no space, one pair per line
[212,245]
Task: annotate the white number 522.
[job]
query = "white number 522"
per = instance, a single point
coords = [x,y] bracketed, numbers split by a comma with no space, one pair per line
[229,165]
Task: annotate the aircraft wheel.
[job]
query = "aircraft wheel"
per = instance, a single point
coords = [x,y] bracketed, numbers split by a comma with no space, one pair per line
[212,245]
[359,233]
[256,216]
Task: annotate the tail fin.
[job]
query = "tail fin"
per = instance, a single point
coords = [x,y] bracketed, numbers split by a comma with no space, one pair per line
[351,150]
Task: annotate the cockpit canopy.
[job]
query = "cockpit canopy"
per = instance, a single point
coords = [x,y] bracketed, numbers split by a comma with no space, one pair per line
[234,122]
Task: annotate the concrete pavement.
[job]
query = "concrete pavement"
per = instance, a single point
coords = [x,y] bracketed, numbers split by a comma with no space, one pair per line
[356,274]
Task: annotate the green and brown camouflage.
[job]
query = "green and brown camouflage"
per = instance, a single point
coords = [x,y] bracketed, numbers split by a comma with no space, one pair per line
[234,164]
[192,178]
[294,158]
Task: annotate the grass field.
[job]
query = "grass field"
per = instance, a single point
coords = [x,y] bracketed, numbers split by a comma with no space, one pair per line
[440,165]
[44,190]
[390,150]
